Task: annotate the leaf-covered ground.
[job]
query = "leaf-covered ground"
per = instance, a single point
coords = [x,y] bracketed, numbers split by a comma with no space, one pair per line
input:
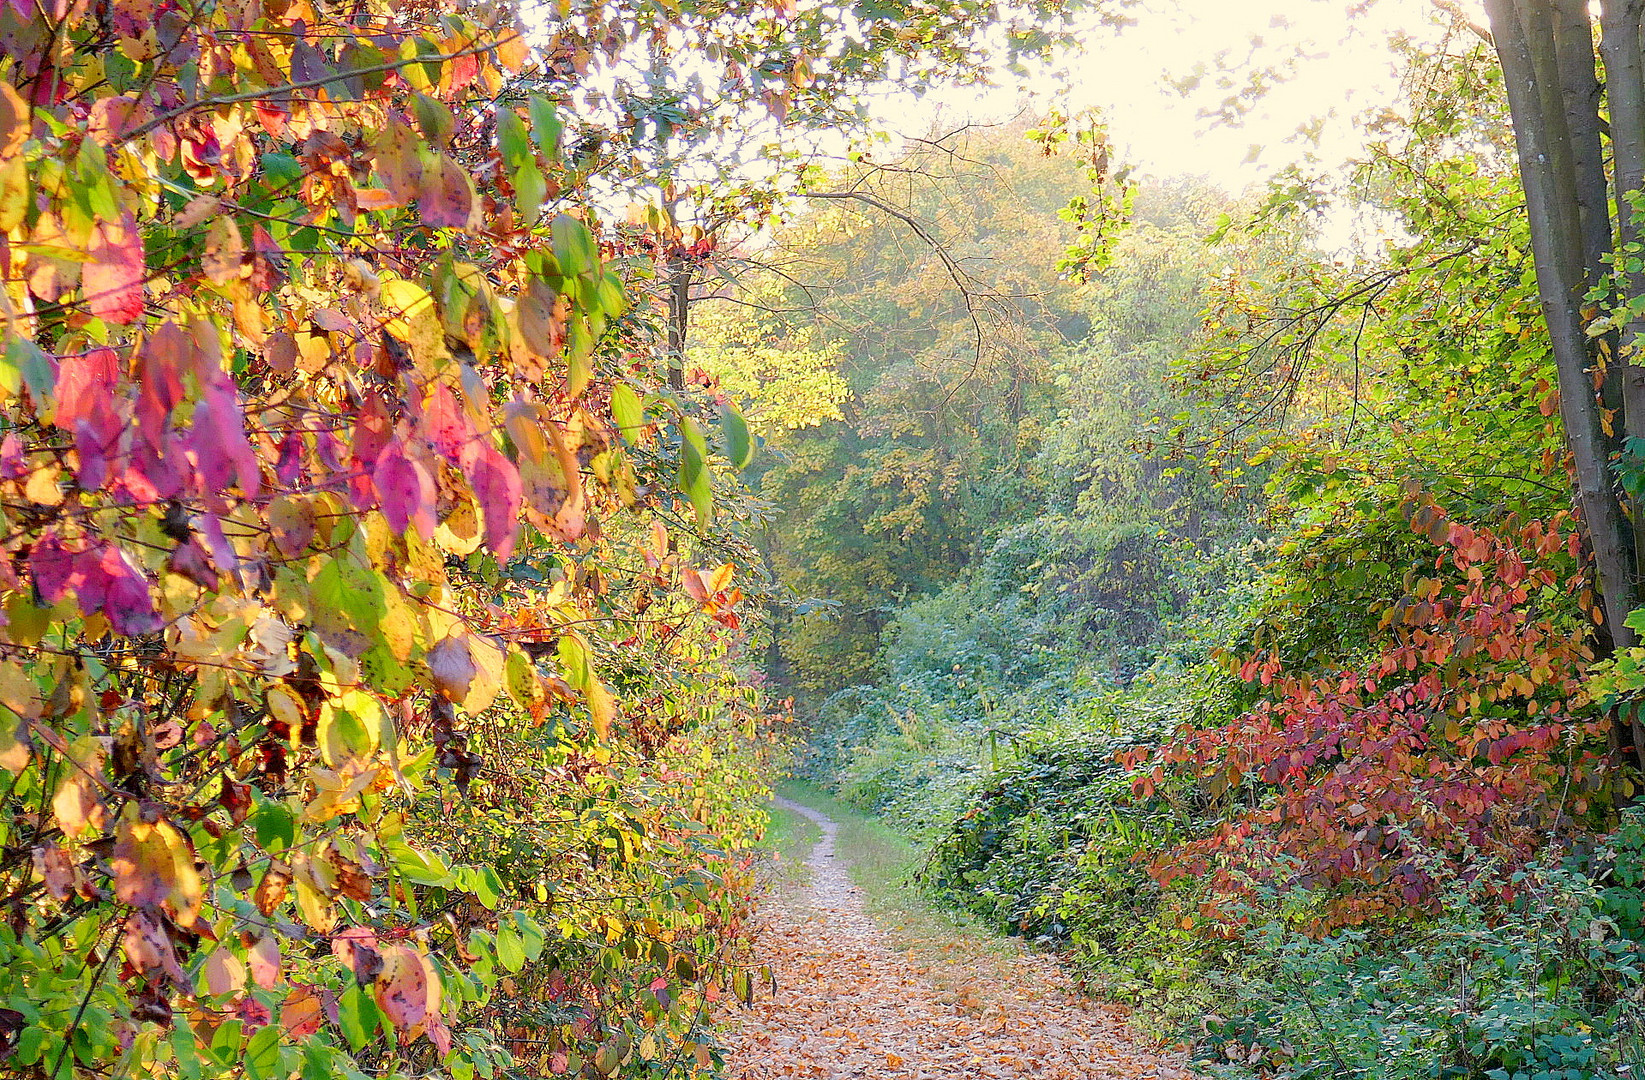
[849,1004]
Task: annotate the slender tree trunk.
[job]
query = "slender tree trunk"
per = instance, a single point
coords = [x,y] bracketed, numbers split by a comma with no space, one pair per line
[1573,38]
[1580,92]
[682,276]
[1524,41]
[1625,96]
[1620,47]
[1542,101]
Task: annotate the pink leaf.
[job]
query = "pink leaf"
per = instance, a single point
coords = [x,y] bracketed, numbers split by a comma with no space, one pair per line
[496,484]
[446,197]
[189,560]
[357,947]
[148,947]
[219,441]
[113,279]
[405,491]
[265,962]
[224,972]
[96,440]
[222,552]
[288,468]
[448,428]
[54,568]
[14,465]
[114,585]
[372,430]
[402,988]
[152,472]
[166,355]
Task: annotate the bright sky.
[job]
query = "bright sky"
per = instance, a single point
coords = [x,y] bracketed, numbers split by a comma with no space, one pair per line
[1344,67]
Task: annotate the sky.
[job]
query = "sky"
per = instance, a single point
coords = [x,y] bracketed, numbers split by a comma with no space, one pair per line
[1339,66]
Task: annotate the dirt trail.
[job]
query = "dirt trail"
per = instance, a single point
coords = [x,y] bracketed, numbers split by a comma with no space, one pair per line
[850,1005]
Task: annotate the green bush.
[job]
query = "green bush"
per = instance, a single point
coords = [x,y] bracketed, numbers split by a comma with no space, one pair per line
[1552,987]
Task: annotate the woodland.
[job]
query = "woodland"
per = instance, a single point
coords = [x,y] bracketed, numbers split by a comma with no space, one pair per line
[456,459]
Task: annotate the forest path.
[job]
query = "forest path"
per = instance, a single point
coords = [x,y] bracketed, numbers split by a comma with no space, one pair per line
[850,1005]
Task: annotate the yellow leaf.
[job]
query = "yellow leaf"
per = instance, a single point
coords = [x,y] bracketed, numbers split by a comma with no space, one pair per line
[602,708]
[42,486]
[405,301]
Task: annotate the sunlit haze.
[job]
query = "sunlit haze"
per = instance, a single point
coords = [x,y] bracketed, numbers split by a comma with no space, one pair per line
[1337,65]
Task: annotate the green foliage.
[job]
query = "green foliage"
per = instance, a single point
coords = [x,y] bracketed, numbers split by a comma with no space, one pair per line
[1548,987]
[781,365]
[942,345]
[1244,458]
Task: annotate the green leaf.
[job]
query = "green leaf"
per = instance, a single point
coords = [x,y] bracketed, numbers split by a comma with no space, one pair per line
[275,823]
[434,117]
[282,170]
[485,886]
[739,444]
[609,296]
[546,124]
[359,1017]
[513,139]
[262,1055]
[626,410]
[182,1045]
[532,936]
[510,950]
[530,189]
[693,476]
[574,247]
[578,352]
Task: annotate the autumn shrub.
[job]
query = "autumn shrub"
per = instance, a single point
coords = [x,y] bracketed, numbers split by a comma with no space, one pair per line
[338,490]
[634,855]
[1466,743]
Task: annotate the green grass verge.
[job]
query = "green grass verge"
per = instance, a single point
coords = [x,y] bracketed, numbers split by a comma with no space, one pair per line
[791,836]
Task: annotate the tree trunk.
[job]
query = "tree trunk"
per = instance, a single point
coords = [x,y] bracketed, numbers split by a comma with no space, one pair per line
[682,276]
[1524,38]
[1625,96]
[1580,92]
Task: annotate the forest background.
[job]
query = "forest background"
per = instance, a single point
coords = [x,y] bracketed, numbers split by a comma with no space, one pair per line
[433,441]
[1220,610]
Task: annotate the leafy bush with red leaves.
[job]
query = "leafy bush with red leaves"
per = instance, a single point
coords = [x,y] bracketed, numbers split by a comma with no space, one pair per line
[1464,746]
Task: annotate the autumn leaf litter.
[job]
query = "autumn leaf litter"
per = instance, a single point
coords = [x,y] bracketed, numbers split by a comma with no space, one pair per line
[849,1004]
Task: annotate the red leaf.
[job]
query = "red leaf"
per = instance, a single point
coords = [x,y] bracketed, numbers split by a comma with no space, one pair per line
[84,386]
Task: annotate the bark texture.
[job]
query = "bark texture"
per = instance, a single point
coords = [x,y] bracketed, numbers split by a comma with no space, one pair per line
[1547,52]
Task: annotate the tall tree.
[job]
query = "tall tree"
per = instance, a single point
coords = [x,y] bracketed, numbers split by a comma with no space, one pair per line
[1582,217]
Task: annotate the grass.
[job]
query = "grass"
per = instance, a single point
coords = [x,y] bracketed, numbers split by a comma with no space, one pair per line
[789,837]
[954,952]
